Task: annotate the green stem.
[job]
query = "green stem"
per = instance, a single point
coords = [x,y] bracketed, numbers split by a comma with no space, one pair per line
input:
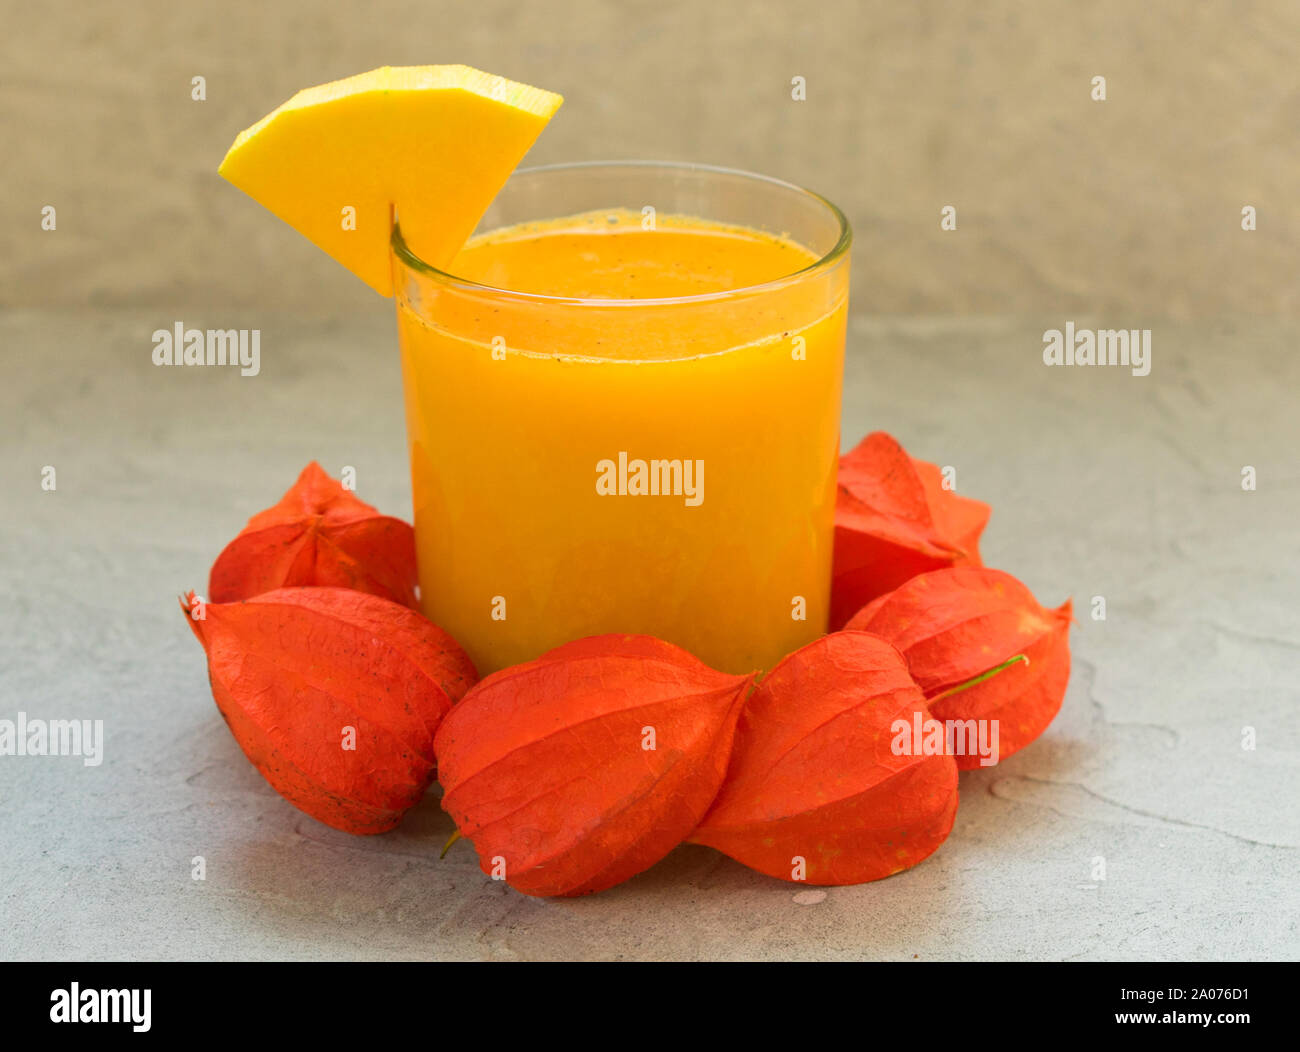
[981,677]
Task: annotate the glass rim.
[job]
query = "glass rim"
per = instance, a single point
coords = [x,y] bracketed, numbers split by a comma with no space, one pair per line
[407,256]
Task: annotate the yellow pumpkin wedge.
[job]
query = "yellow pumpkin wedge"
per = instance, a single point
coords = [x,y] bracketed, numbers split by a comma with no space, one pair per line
[430,144]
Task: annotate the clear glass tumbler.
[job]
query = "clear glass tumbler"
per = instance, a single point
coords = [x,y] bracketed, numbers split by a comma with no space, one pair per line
[640,465]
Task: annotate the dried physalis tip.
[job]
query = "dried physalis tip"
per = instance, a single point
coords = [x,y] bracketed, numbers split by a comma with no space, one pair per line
[826,785]
[894,519]
[952,625]
[334,695]
[318,534]
[578,770]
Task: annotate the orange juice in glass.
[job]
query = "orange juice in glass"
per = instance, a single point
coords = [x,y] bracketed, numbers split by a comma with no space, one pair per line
[623,403]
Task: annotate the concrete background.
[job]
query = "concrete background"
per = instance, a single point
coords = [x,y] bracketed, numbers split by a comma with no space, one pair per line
[1128,205]
[1115,214]
[1144,767]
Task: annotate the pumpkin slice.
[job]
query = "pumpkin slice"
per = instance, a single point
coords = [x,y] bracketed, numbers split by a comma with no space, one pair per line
[431,144]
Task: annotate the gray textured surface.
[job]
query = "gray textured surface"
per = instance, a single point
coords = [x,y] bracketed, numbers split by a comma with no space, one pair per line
[1101,484]
[1129,205]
